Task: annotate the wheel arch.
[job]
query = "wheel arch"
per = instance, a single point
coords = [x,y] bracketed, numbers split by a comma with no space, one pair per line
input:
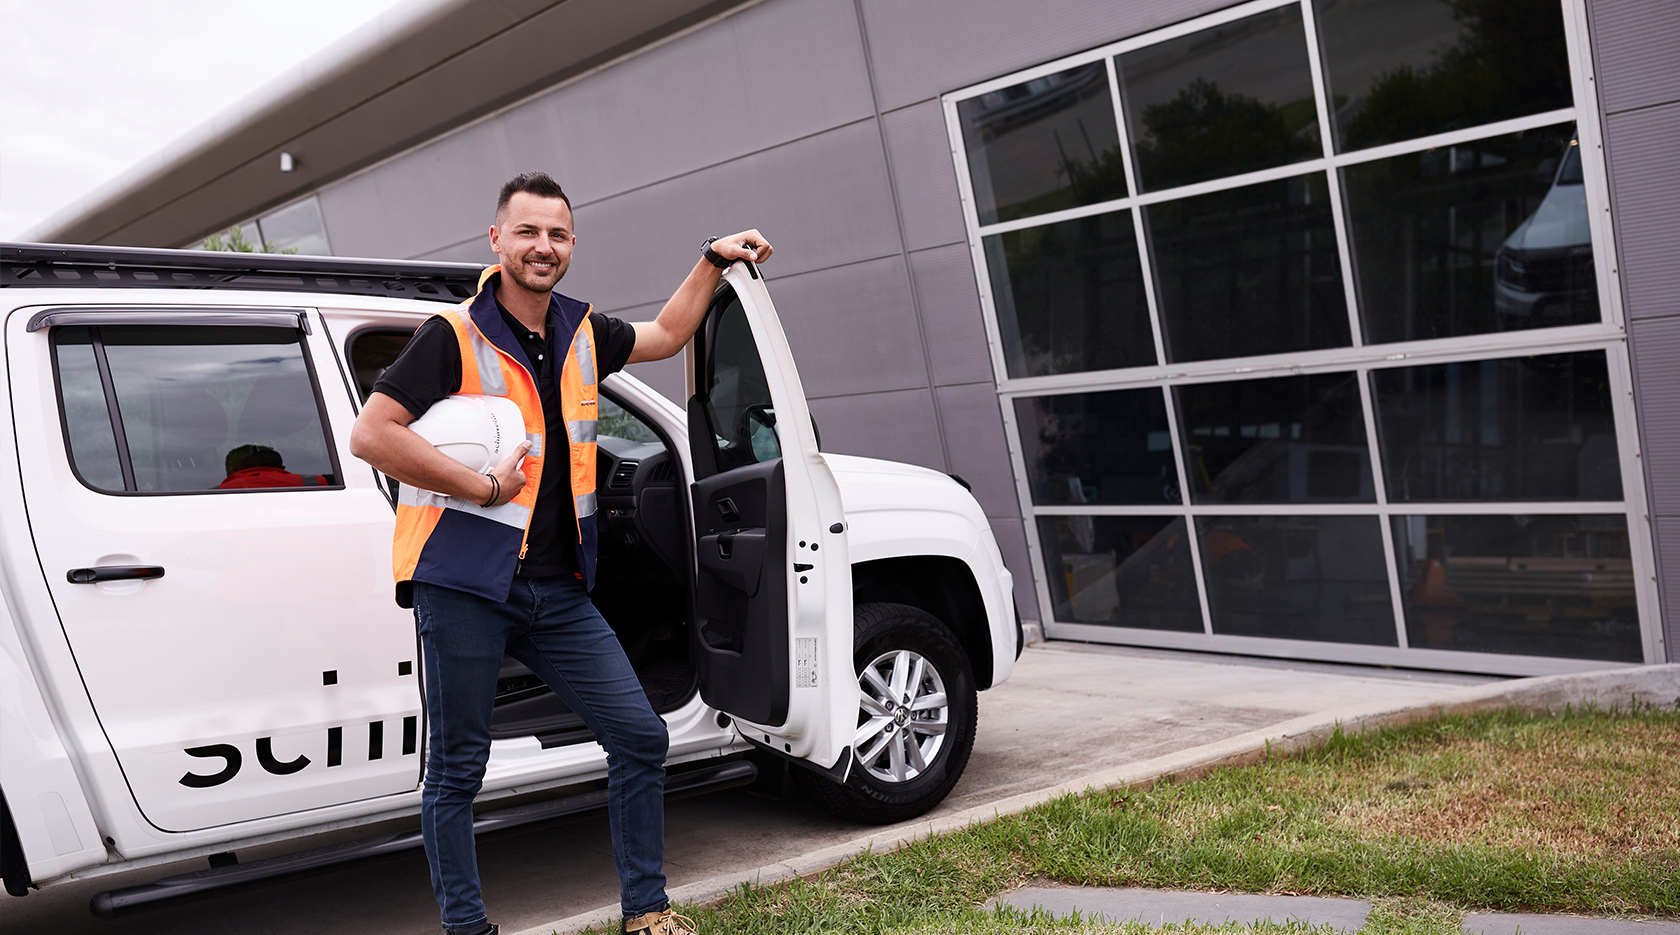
[943,586]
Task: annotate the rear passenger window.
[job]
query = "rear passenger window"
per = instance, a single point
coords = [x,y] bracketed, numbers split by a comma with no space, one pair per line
[372,352]
[161,409]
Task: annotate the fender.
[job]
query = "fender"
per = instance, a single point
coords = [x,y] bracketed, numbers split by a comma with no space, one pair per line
[49,809]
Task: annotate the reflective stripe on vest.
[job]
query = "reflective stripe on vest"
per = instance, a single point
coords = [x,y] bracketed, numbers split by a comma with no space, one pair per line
[460,544]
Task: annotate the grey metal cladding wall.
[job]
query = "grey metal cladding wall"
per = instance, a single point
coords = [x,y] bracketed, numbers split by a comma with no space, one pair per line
[920,153]
[849,327]
[975,442]
[897,426]
[925,48]
[772,73]
[951,315]
[824,198]
[1637,42]
[1668,543]
[1640,149]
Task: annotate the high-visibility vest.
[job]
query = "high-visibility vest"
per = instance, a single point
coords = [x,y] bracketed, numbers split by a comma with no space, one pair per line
[459,544]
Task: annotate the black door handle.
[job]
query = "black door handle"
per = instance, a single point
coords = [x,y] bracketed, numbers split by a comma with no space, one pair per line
[100,573]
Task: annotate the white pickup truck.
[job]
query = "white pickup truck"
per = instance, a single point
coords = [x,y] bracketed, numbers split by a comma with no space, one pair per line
[189,666]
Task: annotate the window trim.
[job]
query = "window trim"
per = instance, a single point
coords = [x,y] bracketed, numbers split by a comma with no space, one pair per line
[294,320]
[1607,335]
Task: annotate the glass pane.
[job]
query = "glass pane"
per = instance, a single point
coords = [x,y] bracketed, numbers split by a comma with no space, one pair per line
[1121,571]
[87,420]
[208,408]
[617,422]
[1486,236]
[1249,271]
[1400,69]
[1298,577]
[1525,428]
[1534,585]
[1098,448]
[1229,99]
[297,228]
[1043,145]
[1070,297]
[372,353]
[738,400]
[1281,440]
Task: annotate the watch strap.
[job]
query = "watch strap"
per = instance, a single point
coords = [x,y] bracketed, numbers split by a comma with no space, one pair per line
[711,255]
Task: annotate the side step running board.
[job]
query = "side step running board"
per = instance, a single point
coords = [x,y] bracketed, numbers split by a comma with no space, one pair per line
[677,785]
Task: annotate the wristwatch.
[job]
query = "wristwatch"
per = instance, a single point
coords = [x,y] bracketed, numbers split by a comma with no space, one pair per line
[711,255]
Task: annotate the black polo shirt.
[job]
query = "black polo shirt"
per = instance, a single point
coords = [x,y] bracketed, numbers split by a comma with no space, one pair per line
[429,369]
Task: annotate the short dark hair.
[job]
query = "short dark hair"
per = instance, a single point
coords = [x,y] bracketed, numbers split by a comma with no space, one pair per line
[537,183]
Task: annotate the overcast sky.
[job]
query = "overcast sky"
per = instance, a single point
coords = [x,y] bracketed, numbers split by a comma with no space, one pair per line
[93,87]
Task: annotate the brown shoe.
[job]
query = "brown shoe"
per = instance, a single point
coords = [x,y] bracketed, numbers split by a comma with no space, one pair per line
[664,922]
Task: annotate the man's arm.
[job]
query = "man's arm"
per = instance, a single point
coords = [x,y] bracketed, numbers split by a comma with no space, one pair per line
[382,438]
[669,333]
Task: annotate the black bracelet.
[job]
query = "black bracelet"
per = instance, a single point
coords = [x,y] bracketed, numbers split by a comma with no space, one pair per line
[495,490]
[712,256]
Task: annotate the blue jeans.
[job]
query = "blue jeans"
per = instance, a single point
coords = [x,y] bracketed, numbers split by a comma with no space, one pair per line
[550,625]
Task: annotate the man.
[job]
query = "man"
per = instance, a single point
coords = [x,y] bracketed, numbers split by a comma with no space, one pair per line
[502,562]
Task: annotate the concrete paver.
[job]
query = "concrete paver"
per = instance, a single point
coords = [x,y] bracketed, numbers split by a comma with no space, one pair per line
[1501,923]
[1163,907]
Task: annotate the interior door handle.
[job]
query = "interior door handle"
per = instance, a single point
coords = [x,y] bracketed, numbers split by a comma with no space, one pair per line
[100,573]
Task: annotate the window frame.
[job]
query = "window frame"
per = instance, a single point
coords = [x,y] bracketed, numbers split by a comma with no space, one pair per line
[1607,335]
[95,319]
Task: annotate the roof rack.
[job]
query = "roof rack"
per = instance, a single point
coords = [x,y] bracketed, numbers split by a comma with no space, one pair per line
[48,265]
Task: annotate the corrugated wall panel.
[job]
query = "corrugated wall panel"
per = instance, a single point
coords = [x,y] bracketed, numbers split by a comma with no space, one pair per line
[1668,586]
[897,426]
[974,437]
[850,327]
[1636,42]
[920,153]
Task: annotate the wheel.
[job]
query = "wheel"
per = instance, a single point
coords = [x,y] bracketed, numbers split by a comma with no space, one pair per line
[916,718]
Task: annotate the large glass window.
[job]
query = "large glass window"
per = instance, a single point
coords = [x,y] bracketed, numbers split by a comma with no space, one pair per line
[1043,145]
[1361,301]
[1111,447]
[1226,100]
[738,403]
[1486,236]
[200,408]
[1534,585]
[1070,296]
[1280,440]
[1123,571]
[1399,69]
[1249,271]
[1523,428]
[1300,577]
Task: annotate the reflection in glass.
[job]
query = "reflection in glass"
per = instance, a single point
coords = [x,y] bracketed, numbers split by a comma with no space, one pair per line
[1524,428]
[87,419]
[1533,585]
[738,403]
[1400,69]
[1070,296]
[208,408]
[1249,271]
[1121,571]
[1298,577]
[1229,99]
[1486,236]
[1043,145]
[1112,447]
[1281,440]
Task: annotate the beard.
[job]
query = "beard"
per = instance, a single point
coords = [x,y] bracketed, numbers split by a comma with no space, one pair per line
[531,281]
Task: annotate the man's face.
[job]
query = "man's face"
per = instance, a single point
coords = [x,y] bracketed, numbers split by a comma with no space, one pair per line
[533,236]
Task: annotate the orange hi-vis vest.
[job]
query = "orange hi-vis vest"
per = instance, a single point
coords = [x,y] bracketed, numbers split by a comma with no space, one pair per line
[459,544]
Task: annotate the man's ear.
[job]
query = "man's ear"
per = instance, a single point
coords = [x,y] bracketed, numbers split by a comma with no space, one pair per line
[495,240]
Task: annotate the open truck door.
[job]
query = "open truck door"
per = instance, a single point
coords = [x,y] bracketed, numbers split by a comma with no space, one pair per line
[772,584]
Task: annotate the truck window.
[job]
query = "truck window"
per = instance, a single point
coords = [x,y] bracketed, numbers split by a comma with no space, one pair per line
[177,409]
[372,352]
[743,418]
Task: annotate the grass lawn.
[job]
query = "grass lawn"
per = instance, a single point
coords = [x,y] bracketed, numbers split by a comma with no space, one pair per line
[1508,812]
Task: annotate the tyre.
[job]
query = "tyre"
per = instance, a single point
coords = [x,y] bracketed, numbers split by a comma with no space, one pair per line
[916,718]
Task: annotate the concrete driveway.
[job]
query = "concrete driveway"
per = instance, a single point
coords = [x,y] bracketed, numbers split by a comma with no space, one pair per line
[1069,711]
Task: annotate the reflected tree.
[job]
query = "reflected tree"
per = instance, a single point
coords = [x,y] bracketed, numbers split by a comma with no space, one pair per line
[1206,132]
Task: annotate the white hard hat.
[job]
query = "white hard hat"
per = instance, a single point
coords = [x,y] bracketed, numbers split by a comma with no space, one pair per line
[478,431]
